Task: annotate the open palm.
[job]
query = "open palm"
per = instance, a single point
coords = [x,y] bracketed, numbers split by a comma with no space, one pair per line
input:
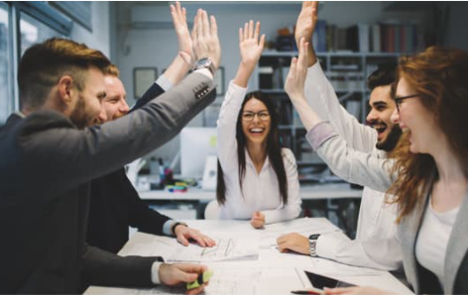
[179,18]
[306,21]
[295,81]
[250,46]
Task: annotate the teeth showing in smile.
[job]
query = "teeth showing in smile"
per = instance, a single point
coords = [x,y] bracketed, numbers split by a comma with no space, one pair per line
[256,130]
[380,128]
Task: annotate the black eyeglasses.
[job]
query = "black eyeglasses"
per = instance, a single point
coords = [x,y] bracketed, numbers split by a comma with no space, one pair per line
[399,100]
[249,116]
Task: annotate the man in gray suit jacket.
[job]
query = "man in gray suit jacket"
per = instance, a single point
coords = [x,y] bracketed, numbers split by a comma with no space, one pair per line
[49,156]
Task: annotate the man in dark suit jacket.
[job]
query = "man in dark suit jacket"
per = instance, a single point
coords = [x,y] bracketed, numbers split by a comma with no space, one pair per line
[49,156]
[115,204]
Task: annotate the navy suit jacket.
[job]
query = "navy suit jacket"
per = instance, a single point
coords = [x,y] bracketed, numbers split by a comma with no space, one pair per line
[115,204]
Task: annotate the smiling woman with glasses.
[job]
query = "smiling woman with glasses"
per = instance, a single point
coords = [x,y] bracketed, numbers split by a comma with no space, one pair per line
[431,172]
[257,178]
[399,100]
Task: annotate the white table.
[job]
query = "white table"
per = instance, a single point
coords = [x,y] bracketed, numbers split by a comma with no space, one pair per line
[270,272]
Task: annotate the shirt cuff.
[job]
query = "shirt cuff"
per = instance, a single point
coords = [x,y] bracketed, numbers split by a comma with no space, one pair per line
[327,243]
[205,72]
[155,273]
[167,227]
[315,67]
[320,133]
[164,83]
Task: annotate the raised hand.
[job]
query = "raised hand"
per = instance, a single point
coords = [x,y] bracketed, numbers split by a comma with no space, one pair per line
[305,26]
[205,38]
[250,47]
[179,18]
[297,74]
[250,50]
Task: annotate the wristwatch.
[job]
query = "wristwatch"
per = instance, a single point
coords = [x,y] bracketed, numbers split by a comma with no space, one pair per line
[205,63]
[313,244]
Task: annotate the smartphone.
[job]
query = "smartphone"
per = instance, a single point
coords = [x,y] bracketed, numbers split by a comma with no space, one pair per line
[320,282]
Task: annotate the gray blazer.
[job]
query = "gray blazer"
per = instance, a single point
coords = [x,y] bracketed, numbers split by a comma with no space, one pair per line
[46,165]
[456,260]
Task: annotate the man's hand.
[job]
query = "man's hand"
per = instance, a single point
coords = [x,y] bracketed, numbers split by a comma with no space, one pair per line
[175,274]
[250,47]
[205,38]
[293,242]
[179,18]
[184,233]
[305,27]
[258,220]
[295,81]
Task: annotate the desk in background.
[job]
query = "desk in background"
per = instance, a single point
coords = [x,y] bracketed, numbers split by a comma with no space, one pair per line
[315,192]
[270,272]
[338,202]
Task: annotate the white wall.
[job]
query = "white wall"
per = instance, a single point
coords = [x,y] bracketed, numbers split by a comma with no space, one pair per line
[156,48]
[99,38]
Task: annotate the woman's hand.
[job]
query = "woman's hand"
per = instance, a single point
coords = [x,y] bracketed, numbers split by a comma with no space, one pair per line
[250,47]
[250,50]
[356,291]
[258,220]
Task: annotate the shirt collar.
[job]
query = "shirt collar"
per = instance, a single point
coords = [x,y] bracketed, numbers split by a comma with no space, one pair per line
[249,161]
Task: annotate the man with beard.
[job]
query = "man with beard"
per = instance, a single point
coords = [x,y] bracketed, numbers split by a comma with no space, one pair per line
[115,204]
[375,245]
[49,157]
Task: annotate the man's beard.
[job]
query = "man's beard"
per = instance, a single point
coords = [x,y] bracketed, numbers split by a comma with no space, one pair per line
[79,117]
[391,141]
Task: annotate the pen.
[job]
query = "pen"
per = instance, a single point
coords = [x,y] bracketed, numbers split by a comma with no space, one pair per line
[306,292]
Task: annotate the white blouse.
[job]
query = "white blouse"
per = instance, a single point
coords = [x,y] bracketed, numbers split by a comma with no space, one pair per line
[260,191]
[431,246]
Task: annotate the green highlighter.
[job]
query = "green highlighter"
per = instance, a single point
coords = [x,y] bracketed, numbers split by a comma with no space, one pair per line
[202,278]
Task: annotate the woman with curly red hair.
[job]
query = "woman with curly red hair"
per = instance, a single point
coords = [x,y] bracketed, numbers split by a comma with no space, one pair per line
[431,171]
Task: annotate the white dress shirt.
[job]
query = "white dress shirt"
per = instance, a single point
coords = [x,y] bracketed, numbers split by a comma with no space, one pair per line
[260,191]
[376,244]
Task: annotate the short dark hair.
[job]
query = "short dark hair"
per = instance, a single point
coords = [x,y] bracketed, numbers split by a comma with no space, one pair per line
[43,64]
[383,76]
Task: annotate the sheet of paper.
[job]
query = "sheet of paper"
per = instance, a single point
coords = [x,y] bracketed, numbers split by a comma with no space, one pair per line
[225,249]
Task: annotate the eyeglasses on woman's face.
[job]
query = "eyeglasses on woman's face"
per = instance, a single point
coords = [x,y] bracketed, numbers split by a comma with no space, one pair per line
[249,116]
[399,100]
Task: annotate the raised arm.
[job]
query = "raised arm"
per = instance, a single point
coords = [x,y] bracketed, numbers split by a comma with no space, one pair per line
[320,93]
[363,168]
[251,48]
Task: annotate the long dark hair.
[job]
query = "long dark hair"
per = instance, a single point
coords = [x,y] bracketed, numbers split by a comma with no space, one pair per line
[273,148]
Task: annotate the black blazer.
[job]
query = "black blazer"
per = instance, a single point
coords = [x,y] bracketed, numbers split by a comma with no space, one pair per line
[46,165]
[115,204]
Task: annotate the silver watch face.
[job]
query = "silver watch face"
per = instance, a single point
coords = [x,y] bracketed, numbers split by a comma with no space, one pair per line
[203,63]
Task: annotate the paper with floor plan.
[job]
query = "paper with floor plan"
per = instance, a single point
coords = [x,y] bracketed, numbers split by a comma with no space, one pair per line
[226,248]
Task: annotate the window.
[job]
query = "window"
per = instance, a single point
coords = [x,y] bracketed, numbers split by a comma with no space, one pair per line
[33,31]
[6,96]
